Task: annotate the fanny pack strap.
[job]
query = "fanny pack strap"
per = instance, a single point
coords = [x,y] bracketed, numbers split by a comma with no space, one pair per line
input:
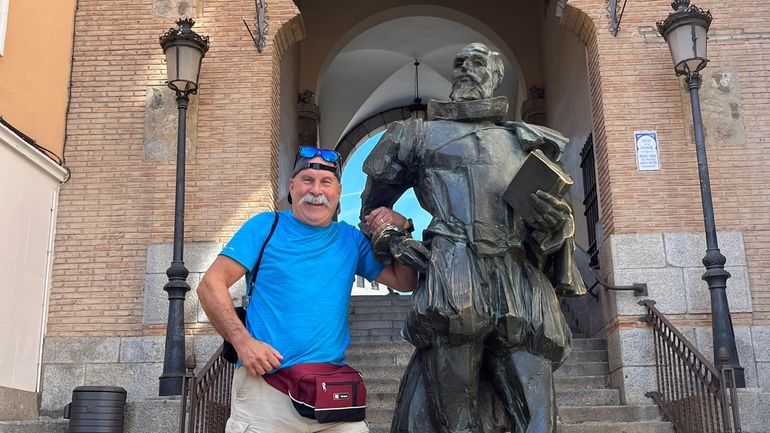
[252,279]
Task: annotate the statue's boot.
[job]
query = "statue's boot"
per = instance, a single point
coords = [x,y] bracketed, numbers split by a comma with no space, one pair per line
[535,375]
[411,414]
[439,392]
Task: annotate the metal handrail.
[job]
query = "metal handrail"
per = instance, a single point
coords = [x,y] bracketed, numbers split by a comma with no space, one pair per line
[206,396]
[639,289]
[693,395]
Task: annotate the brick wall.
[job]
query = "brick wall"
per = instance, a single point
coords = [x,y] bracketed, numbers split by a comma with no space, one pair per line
[117,203]
[634,88]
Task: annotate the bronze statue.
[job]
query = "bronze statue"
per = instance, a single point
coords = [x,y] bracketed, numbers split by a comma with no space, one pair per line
[486,322]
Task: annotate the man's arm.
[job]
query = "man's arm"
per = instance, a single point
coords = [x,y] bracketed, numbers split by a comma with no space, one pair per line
[396,275]
[400,277]
[257,357]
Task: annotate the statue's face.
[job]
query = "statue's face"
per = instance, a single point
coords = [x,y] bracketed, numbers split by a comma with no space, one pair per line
[473,75]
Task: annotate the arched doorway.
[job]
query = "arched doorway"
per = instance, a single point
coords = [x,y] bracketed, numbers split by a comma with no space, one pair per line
[358,60]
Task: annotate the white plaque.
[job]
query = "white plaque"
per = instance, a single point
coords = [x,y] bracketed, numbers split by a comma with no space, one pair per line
[647,150]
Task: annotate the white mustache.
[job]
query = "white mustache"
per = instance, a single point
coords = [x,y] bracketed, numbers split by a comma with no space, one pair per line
[315,199]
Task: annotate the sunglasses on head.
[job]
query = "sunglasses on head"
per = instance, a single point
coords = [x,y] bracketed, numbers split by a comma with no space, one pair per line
[310,152]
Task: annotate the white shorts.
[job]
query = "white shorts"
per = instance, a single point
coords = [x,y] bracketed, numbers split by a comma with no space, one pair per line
[257,407]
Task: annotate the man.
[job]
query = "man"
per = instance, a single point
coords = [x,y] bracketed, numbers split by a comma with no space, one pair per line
[486,322]
[299,305]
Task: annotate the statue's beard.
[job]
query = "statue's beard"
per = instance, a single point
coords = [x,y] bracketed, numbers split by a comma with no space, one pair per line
[468,88]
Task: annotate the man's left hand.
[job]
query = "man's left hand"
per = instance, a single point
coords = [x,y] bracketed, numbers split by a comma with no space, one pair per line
[382,216]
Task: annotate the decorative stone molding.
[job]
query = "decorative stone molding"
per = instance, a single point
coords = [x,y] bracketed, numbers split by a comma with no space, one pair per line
[161,118]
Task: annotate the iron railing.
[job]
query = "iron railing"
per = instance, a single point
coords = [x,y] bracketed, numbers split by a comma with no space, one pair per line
[694,395]
[591,201]
[206,396]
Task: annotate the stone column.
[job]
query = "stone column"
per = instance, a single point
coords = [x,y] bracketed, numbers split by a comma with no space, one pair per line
[309,118]
[533,109]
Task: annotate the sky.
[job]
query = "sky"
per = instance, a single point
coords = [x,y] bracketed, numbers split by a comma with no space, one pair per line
[353,181]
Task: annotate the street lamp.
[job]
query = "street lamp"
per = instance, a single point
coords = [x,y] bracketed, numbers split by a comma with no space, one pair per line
[184,50]
[685,30]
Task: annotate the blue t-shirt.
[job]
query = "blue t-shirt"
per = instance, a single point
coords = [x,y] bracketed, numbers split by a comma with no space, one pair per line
[300,300]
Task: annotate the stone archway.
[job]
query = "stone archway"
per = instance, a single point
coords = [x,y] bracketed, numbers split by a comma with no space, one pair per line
[380,61]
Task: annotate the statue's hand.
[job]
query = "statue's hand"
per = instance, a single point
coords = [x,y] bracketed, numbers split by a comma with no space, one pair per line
[554,222]
[552,212]
[394,243]
[410,252]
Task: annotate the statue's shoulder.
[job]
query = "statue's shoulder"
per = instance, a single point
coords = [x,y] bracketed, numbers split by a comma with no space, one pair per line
[531,137]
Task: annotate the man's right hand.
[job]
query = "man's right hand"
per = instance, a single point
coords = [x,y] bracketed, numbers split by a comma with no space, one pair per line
[257,358]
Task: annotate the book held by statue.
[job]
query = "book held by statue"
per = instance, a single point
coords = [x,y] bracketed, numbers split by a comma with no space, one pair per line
[536,173]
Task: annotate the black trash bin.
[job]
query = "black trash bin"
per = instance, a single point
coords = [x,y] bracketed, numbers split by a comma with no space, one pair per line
[96,409]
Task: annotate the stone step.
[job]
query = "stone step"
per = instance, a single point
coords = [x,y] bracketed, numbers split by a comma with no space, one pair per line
[569,397]
[588,356]
[380,372]
[589,344]
[567,414]
[379,427]
[364,336]
[392,371]
[580,352]
[587,397]
[388,309]
[390,385]
[381,424]
[389,315]
[44,425]
[379,359]
[381,301]
[402,359]
[582,414]
[402,346]
[618,427]
[375,325]
[386,354]
[582,369]
[582,382]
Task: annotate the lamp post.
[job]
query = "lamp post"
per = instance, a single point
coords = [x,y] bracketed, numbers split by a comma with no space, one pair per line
[685,30]
[184,50]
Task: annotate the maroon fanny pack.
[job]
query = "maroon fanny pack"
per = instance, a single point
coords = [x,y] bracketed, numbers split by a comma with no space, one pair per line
[323,391]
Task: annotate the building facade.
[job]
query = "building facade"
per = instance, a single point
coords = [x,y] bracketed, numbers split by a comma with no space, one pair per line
[341,70]
[34,93]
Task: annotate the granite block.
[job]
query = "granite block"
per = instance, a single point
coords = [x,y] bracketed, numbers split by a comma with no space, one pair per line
[198,256]
[743,342]
[79,350]
[637,347]
[142,349]
[760,336]
[17,404]
[631,251]
[754,407]
[699,298]
[633,383]
[665,285]
[153,415]
[156,299]
[763,375]
[688,249]
[140,380]
[58,382]
[205,346]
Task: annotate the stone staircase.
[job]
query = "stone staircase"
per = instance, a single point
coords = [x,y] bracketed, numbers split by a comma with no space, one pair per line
[587,402]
